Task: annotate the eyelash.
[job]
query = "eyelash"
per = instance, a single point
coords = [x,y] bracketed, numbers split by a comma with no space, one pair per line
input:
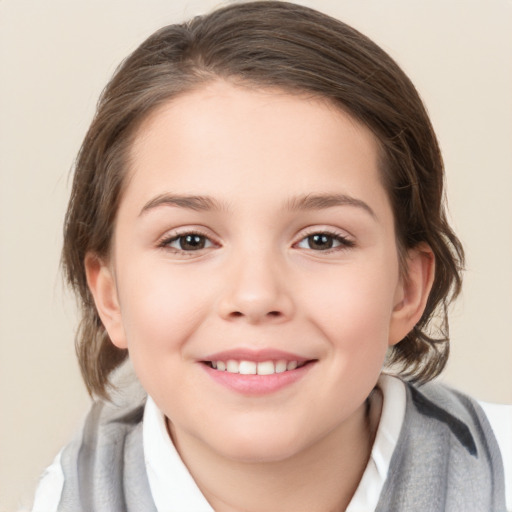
[166,241]
[344,242]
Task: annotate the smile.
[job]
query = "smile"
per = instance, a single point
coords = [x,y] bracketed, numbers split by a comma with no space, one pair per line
[245,367]
[256,372]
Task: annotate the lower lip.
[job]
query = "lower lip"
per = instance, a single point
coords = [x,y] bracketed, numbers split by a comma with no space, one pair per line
[257,384]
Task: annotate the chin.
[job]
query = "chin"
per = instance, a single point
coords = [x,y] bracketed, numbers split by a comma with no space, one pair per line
[263,446]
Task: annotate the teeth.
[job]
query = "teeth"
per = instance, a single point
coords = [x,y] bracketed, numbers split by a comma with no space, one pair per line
[280,366]
[232,366]
[266,368]
[253,368]
[247,368]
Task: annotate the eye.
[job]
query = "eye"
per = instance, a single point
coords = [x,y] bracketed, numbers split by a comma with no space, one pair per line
[187,242]
[324,242]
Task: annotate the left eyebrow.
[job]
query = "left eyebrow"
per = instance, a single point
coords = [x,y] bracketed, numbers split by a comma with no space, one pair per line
[322,201]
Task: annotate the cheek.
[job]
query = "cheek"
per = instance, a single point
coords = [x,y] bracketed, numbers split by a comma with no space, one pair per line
[161,313]
[353,306]
[160,308]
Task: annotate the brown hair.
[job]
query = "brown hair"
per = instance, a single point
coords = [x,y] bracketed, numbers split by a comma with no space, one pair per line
[267,44]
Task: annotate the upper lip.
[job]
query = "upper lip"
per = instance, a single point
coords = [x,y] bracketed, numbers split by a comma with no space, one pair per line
[259,355]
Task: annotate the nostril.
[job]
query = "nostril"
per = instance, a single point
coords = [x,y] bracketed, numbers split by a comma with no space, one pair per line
[238,314]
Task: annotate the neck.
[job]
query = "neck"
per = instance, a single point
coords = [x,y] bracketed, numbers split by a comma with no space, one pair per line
[323,477]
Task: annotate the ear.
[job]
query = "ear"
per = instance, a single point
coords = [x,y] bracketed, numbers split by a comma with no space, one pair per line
[101,281]
[412,292]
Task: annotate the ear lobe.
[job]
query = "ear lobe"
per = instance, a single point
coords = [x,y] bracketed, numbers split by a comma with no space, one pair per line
[102,285]
[412,293]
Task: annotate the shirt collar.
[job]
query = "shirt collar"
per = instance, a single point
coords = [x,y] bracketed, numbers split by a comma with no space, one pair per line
[174,489]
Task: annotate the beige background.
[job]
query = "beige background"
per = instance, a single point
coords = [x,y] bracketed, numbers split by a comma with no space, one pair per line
[55,57]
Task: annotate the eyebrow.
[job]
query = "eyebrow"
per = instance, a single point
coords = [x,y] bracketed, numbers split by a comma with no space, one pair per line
[305,202]
[196,203]
[322,201]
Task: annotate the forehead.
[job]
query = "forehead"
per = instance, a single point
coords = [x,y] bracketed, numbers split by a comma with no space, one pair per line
[235,142]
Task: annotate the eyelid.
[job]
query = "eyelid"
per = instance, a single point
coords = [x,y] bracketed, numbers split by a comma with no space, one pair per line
[346,240]
[176,233]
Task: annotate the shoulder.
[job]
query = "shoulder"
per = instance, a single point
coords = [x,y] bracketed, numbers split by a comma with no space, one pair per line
[458,415]
[110,432]
[446,455]
[458,440]
[106,432]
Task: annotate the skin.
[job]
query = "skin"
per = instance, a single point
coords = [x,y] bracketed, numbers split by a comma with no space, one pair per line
[260,282]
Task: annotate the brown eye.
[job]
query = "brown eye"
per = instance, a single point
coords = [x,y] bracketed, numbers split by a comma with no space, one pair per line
[192,242]
[320,242]
[188,242]
[324,242]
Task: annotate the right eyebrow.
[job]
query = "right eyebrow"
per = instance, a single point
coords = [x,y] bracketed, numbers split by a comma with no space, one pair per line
[197,203]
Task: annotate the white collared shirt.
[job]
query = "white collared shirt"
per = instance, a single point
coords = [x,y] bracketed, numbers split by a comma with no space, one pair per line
[174,490]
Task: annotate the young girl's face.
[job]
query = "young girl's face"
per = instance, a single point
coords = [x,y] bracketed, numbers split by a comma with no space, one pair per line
[254,233]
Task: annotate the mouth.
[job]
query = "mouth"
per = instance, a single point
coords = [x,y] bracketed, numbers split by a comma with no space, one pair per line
[249,367]
[260,372]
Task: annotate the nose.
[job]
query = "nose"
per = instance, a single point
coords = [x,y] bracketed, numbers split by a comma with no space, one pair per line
[256,289]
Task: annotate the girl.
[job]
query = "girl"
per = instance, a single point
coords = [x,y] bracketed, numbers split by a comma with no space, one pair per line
[257,222]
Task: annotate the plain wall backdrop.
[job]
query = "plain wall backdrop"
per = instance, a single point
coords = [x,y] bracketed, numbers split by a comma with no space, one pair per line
[56,56]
